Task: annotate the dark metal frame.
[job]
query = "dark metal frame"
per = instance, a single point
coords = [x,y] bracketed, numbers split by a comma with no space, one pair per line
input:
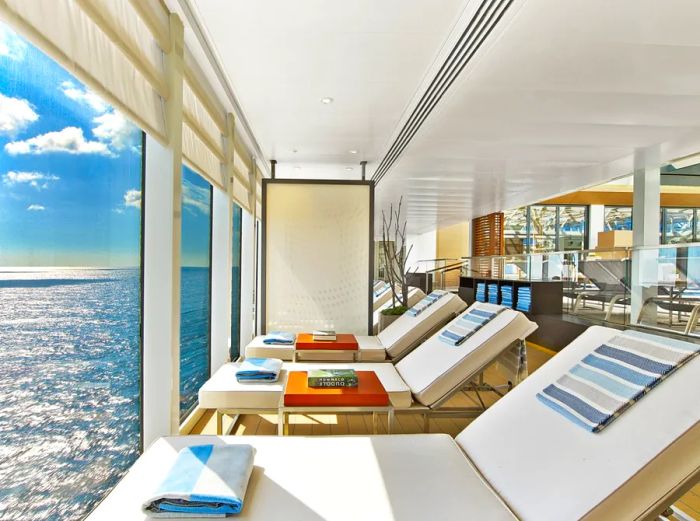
[263,260]
[141,283]
[237,208]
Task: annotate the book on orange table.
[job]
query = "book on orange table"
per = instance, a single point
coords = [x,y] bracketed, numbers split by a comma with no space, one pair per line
[332,378]
[323,335]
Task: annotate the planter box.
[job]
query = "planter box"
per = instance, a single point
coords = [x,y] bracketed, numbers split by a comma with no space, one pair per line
[385,320]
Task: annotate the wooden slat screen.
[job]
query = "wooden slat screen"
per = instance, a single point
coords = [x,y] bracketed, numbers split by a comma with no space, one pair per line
[487,239]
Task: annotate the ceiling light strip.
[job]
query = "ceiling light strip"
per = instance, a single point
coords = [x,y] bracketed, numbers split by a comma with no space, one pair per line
[480,26]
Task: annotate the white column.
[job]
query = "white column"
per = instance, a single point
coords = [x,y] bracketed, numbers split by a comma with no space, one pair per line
[247,279]
[645,227]
[221,254]
[162,236]
[596,224]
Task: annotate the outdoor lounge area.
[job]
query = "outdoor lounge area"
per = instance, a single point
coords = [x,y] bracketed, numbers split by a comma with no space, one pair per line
[386,260]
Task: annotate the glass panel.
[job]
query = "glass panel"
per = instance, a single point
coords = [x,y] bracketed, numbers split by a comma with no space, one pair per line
[618,218]
[195,294]
[515,231]
[543,228]
[70,293]
[572,227]
[236,283]
[678,225]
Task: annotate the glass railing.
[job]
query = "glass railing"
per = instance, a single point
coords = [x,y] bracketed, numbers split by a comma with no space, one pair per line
[652,287]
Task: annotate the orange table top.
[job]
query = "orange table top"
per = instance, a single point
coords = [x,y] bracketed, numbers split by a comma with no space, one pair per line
[343,342]
[369,392]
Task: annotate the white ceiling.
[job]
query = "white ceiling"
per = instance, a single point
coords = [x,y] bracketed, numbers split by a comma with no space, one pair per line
[283,56]
[557,99]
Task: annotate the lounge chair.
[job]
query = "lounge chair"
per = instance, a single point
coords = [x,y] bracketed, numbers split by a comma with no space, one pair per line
[518,460]
[394,342]
[609,278]
[421,382]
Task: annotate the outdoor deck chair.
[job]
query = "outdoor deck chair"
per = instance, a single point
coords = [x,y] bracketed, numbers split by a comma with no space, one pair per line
[610,280]
[393,343]
[414,296]
[518,461]
[419,383]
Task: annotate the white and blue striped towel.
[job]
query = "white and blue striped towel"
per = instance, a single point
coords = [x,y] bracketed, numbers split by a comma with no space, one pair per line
[204,481]
[614,376]
[426,302]
[259,370]
[282,338]
[468,324]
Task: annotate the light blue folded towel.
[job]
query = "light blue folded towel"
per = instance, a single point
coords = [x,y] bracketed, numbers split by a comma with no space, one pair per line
[468,324]
[614,376]
[279,338]
[204,481]
[259,370]
[426,302]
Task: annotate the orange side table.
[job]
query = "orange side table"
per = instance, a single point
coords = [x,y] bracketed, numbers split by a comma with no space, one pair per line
[368,396]
[344,344]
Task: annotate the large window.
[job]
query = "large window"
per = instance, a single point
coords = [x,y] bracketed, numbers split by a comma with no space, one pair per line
[70,293]
[515,231]
[195,296]
[541,229]
[236,283]
[678,225]
[618,218]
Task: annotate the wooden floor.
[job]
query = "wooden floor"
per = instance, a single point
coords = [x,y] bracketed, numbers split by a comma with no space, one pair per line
[332,424]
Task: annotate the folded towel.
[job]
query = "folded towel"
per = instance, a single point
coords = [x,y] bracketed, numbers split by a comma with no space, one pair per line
[206,481]
[524,298]
[468,324]
[279,338]
[426,302]
[259,370]
[481,291]
[615,376]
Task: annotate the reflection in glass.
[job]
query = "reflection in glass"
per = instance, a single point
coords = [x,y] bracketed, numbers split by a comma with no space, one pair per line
[515,231]
[678,225]
[618,218]
[70,293]
[543,228]
[195,296]
[572,227]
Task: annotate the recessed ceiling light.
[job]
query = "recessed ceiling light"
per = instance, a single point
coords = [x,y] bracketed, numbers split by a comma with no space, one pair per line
[353,151]
[348,168]
[327,100]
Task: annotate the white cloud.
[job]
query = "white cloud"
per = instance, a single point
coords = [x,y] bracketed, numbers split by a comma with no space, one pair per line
[15,115]
[85,96]
[195,198]
[115,129]
[70,140]
[11,45]
[34,179]
[35,208]
[132,198]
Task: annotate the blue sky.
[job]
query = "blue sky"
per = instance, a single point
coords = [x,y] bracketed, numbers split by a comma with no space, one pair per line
[70,172]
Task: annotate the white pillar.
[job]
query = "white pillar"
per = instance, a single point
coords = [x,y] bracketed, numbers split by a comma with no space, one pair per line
[247,279]
[162,237]
[645,226]
[596,224]
[221,258]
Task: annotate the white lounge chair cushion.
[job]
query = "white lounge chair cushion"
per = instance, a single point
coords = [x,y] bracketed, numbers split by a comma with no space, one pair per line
[223,391]
[371,349]
[415,295]
[381,300]
[383,478]
[436,368]
[258,349]
[399,393]
[406,331]
[547,468]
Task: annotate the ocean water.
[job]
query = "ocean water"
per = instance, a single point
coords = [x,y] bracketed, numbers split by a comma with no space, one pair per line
[69,385]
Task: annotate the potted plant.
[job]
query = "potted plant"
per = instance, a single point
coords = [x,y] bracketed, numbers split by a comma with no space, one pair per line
[396,257]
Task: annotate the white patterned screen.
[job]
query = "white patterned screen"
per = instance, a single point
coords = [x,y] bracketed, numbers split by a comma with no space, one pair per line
[317,257]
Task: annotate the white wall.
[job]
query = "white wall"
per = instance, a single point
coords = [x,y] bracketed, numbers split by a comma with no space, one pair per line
[424,247]
[247,279]
[596,223]
[221,254]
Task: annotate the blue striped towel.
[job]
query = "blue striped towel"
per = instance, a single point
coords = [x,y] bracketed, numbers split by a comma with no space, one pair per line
[493,293]
[204,481]
[468,324]
[426,302]
[279,338]
[259,370]
[481,291]
[614,376]
[380,290]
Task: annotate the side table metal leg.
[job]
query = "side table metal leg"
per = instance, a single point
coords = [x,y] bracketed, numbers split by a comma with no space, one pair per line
[390,417]
[375,423]
[219,423]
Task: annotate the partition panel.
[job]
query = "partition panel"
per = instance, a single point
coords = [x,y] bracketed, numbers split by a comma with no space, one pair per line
[317,255]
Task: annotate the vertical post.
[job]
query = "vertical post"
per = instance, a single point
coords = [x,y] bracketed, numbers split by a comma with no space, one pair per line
[646,204]
[596,223]
[273,165]
[162,238]
[363,164]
